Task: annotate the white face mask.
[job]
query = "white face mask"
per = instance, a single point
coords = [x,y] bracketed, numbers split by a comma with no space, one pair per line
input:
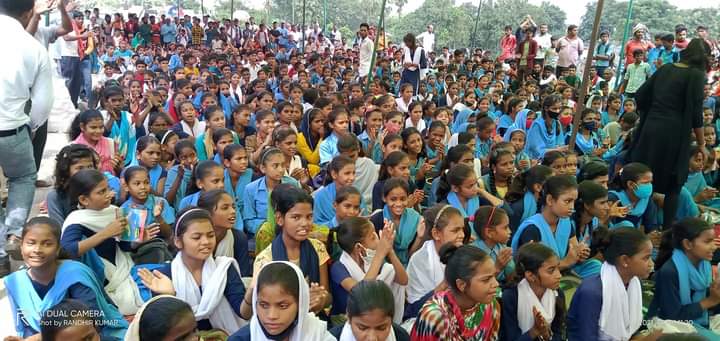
[367,258]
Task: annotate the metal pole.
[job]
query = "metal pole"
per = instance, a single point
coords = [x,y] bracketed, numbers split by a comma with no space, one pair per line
[232,9]
[374,54]
[302,27]
[202,8]
[580,106]
[477,21]
[621,62]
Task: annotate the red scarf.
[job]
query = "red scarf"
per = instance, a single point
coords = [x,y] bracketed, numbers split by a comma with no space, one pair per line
[82,43]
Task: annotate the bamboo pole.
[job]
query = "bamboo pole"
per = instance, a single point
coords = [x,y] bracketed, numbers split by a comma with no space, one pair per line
[381,24]
[586,75]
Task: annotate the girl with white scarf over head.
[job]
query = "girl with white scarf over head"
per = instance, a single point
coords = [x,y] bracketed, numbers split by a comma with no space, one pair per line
[218,295]
[91,232]
[281,286]
[363,258]
[535,307]
[609,306]
[425,271]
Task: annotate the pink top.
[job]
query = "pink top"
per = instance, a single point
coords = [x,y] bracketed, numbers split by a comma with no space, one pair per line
[105,149]
[570,50]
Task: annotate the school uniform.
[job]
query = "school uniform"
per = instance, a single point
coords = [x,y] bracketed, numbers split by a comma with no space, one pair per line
[644,212]
[377,193]
[167,213]
[123,135]
[346,267]
[110,260]
[220,276]
[679,288]
[202,152]
[590,266]
[190,200]
[540,139]
[255,203]
[585,146]
[235,245]
[306,327]
[237,194]
[467,210]
[510,328]
[605,308]
[172,174]
[504,124]
[425,273]
[537,229]
[509,268]
[405,234]
[328,149]
[323,210]
[521,210]
[225,103]
[73,280]
[155,174]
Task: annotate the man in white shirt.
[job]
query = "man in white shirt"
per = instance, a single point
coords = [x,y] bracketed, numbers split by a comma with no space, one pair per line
[46,35]
[544,42]
[427,39]
[26,96]
[366,50]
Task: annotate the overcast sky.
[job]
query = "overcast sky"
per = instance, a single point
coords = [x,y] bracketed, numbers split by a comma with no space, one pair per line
[576,8]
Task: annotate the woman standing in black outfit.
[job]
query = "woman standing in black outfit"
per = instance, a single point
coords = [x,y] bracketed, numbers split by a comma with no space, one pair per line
[670,105]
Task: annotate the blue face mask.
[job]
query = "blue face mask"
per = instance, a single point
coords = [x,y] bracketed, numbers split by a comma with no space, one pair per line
[644,191]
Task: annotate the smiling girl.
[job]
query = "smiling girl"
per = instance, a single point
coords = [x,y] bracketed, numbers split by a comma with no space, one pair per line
[88,129]
[48,279]
[293,216]
[212,285]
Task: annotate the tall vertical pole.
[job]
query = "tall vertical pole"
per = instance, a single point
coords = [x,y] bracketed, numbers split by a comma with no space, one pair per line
[475,29]
[292,11]
[621,62]
[177,10]
[202,8]
[381,23]
[232,9]
[302,44]
[580,106]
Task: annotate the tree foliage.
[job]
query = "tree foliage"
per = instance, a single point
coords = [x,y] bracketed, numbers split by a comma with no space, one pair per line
[454,25]
[658,15]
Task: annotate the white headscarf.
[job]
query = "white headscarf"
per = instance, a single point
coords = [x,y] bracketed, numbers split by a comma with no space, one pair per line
[308,328]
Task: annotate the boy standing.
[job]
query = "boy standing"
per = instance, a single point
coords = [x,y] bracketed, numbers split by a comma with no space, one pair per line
[637,73]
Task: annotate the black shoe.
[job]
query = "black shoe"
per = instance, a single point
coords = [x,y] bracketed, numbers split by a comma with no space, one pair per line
[4,266]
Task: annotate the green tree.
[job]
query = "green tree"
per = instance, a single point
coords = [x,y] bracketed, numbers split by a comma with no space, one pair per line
[453,24]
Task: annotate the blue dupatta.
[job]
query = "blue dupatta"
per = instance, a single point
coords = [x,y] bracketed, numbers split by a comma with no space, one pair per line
[467,211]
[695,279]
[405,233]
[482,148]
[557,241]
[587,146]
[309,260]
[539,139]
[637,211]
[24,299]
[237,193]
[529,206]
[123,135]
[461,118]
[323,210]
